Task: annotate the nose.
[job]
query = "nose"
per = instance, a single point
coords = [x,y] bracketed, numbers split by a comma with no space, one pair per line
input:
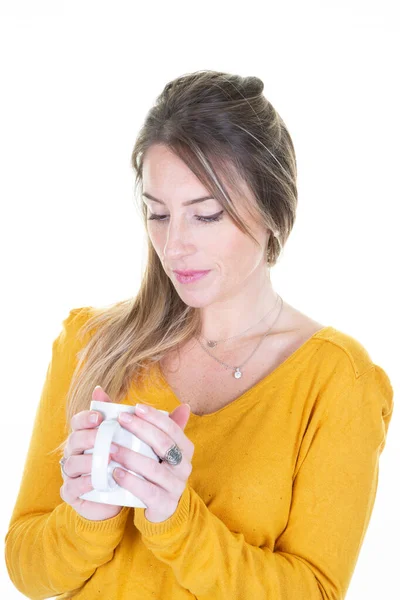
[178,240]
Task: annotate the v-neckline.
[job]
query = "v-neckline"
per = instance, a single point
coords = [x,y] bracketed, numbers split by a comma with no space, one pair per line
[176,402]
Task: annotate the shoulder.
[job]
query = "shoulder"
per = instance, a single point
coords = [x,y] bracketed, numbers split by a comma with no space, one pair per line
[83,322]
[333,348]
[349,376]
[343,388]
[79,316]
[345,348]
[75,319]
[69,339]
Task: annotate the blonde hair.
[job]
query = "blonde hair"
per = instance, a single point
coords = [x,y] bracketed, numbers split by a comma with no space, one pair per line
[225,130]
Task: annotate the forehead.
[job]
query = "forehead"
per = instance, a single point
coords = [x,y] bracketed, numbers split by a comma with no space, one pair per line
[168,179]
[162,166]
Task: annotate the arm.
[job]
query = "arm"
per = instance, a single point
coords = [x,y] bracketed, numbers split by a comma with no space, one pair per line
[334,489]
[49,547]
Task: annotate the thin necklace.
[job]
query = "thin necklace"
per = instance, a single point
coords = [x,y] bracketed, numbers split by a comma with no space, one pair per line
[237,372]
[213,343]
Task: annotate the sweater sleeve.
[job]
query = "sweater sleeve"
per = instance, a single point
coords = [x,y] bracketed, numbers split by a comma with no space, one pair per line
[333,493]
[49,548]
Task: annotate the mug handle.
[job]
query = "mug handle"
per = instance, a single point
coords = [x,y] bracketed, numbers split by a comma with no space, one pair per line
[101,452]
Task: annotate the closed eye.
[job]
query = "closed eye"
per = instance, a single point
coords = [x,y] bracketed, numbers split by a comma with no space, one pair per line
[211,219]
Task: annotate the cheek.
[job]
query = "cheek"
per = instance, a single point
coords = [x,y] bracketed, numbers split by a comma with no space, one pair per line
[224,245]
[234,245]
[156,238]
[239,255]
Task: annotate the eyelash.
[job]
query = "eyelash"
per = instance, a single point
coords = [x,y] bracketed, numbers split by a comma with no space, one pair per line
[211,219]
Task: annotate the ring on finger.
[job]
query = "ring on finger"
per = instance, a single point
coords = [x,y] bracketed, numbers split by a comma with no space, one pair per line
[62,463]
[173,456]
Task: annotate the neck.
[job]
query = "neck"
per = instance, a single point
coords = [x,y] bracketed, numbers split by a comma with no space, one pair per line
[232,318]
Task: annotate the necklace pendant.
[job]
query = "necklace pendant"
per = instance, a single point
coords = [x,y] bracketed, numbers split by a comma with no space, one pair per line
[237,373]
[211,344]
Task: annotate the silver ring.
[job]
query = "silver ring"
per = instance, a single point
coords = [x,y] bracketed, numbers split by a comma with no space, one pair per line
[62,463]
[173,456]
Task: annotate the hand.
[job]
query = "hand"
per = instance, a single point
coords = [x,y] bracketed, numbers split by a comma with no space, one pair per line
[164,484]
[79,466]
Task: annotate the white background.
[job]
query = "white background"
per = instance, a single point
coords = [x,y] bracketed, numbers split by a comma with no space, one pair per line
[77,79]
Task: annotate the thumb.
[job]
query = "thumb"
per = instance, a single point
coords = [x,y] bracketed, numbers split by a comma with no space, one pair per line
[181,415]
[100,395]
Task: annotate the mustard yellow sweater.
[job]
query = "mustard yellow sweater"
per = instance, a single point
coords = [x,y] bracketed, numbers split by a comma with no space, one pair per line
[277,506]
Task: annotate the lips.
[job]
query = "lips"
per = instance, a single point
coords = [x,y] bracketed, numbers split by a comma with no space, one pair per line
[190,273]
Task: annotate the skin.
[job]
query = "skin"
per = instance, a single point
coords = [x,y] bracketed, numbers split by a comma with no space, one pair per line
[164,483]
[238,273]
[238,268]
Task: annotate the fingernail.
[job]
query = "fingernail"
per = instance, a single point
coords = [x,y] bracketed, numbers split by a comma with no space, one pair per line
[98,386]
[93,418]
[142,409]
[114,448]
[120,473]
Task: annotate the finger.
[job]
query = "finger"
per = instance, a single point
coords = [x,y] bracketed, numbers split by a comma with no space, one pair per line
[152,495]
[80,440]
[79,465]
[169,479]
[87,418]
[160,432]
[100,395]
[73,488]
[160,442]
[181,415]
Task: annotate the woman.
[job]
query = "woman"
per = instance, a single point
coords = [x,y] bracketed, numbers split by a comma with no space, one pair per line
[276,420]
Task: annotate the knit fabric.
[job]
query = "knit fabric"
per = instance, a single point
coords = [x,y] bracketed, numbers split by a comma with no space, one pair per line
[277,505]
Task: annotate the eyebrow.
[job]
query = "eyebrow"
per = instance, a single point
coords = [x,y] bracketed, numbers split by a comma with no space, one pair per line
[187,203]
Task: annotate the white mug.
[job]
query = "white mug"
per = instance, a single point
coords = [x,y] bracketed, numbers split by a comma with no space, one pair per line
[106,489]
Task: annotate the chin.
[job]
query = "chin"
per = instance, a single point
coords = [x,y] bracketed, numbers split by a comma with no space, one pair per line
[195,300]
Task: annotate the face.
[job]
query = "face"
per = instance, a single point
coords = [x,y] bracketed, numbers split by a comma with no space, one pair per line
[200,236]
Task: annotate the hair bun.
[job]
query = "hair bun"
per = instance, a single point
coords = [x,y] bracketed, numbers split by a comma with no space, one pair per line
[253,85]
